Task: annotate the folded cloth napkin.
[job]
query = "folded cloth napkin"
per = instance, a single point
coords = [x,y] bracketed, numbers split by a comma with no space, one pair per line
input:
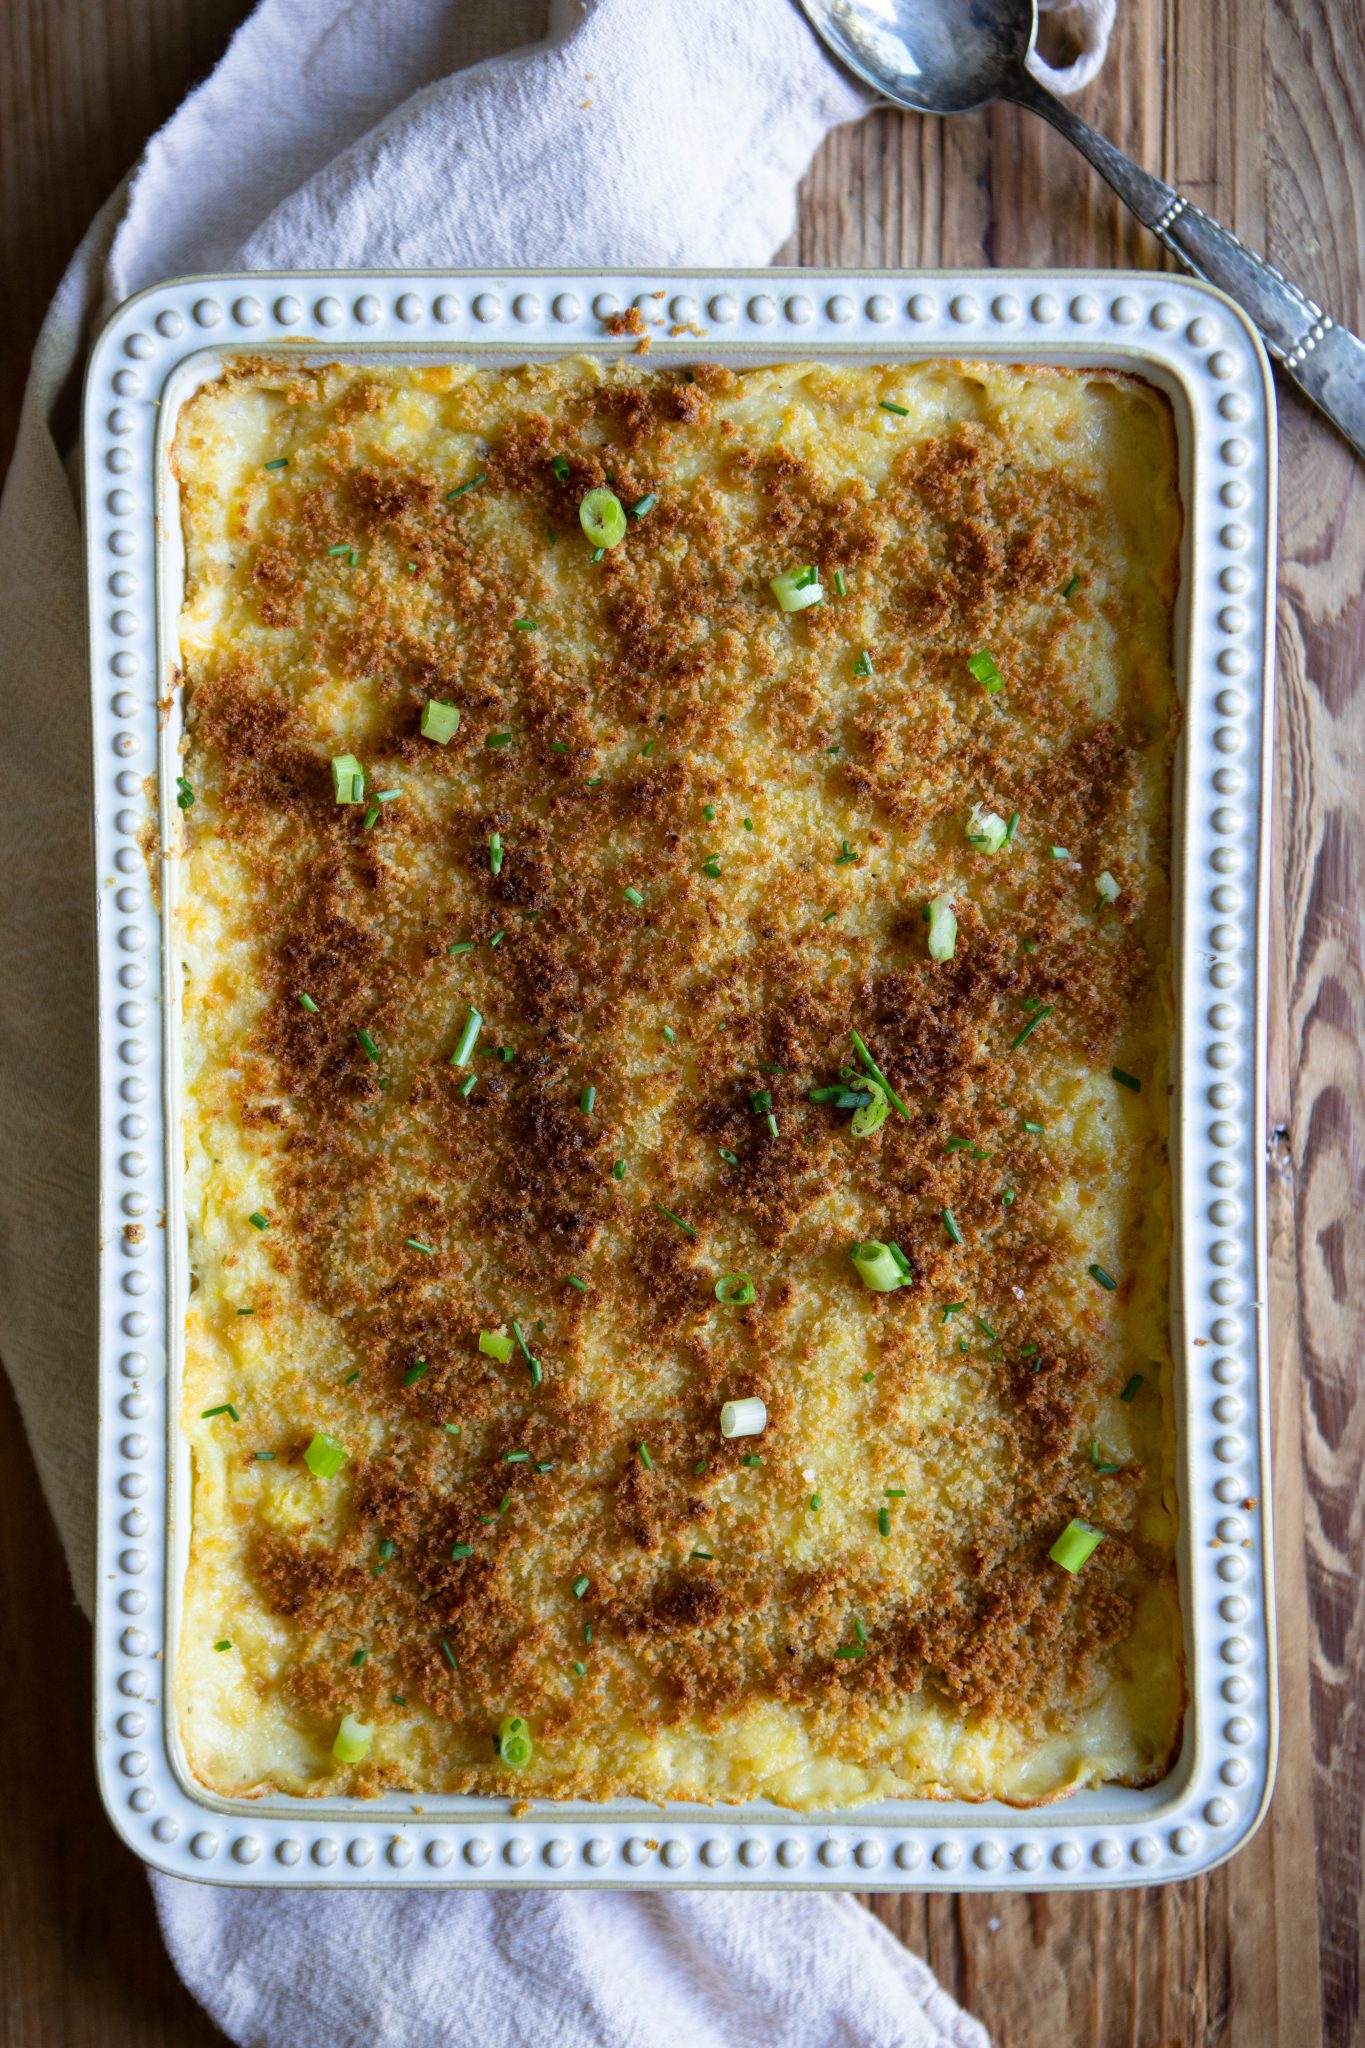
[649,132]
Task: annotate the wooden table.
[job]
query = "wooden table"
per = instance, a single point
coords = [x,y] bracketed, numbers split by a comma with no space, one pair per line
[1254,108]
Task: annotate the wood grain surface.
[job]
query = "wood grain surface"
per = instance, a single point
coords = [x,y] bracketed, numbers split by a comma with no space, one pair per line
[1254,107]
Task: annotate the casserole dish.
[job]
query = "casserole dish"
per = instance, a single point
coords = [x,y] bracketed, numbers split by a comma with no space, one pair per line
[1194,347]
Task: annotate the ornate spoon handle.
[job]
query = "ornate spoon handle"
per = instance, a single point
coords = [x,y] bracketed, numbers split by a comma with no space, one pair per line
[1326,361]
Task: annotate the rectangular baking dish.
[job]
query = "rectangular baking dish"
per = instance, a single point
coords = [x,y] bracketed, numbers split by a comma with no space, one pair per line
[1199,349]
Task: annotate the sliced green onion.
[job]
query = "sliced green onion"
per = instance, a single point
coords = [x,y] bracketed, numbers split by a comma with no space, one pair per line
[580,1585]
[884,1521]
[704,1556]
[618,1171]
[1043,1010]
[525,625]
[797,589]
[359,1657]
[588,1099]
[950,1224]
[1126,1080]
[987,830]
[516,1457]
[469,1038]
[1108,888]
[416,1372]
[845,856]
[387,1549]
[730,1158]
[889,405]
[449,1654]
[942,929]
[863,665]
[1059,853]
[1133,1388]
[344,548]
[348,779]
[877,1266]
[472,485]
[675,1219]
[642,1452]
[368,1046]
[280,462]
[711,866]
[495,853]
[643,505]
[1106,1280]
[223,1408]
[743,1418]
[603,519]
[634,898]
[306,1003]
[708,812]
[865,1056]
[515,1746]
[1070,589]
[870,1116]
[353,1739]
[370,819]
[815,1504]
[184,793]
[560,465]
[572,1280]
[840,584]
[751,1459]
[415,1244]
[324,1456]
[982,666]
[736,1290]
[497,739]
[225,1644]
[1076,1543]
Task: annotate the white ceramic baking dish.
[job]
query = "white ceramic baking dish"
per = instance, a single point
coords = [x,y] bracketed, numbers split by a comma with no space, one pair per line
[1198,347]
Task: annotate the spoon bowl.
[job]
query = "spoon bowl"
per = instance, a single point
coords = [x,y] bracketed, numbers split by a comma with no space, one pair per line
[935,56]
[957,56]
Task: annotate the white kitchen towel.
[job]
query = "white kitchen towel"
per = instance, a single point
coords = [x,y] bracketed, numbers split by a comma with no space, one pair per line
[650,132]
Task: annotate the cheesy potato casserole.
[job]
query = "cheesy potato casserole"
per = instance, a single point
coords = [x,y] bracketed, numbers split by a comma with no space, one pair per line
[673,910]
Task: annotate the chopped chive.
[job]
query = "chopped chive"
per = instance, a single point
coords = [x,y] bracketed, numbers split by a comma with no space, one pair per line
[953,1308]
[675,1219]
[1126,1080]
[469,1037]
[449,1653]
[760,1100]
[560,465]
[597,554]
[351,1378]
[495,853]
[223,1408]
[706,1556]
[184,793]
[645,1459]
[306,1002]
[497,739]
[516,1457]
[618,1171]
[669,1034]
[451,1428]
[1038,1129]
[226,1644]
[497,938]
[580,1586]
[1028,1350]
[708,812]
[1106,1280]
[266,1457]
[1134,1387]
[506,1055]
[751,1458]
[850,1650]
[526,625]
[545,1464]
[370,819]
[1099,1465]
[472,485]
[580,1668]
[1072,587]
[711,866]
[889,405]
[845,855]
[398,1699]
[894,1492]
[588,1099]
[387,1549]
[644,505]
[829,917]
[863,665]
[572,1280]
[368,1046]
[1044,1010]
[950,1225]
[416,1372]
[559,747]
[884,1521]
[344,548]
[730,1158]
[280,462]
[859,1631]
[1007,1197]
[816,1503]
[257,1221]
[416,1244]
[646,749]
[748,824]
[634,898]
[840,584]
[467,1086]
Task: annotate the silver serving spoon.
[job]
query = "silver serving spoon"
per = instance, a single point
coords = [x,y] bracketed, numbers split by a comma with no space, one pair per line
[951,56]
